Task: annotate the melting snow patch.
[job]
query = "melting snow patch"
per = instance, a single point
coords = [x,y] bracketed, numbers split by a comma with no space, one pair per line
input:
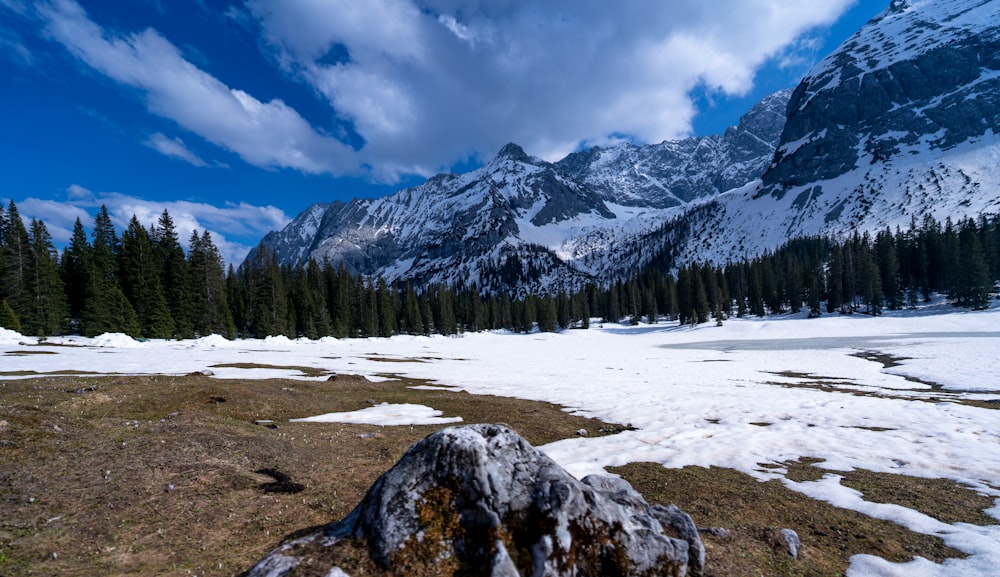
[214,341]
[385,414]
[278,341]
[115,341]
[9,337]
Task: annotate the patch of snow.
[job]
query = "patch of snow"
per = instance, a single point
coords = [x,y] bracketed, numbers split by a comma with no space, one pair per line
[278,341]
[115,341]
[385,414]
[215,341]
[9,337]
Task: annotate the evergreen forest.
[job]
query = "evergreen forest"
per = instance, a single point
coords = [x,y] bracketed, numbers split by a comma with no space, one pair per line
[144,283]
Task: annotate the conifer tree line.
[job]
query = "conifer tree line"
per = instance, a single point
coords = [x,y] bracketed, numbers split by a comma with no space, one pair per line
[859,274]
[145,284]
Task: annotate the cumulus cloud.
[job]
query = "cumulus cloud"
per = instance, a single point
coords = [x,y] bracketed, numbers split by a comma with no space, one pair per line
[173,147]
[427,85]
[267,134]
[231,225]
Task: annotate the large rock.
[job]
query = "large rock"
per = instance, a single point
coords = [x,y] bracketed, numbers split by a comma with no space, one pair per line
[479,500]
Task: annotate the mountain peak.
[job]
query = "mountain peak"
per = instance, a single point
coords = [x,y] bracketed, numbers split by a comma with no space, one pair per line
[513,152]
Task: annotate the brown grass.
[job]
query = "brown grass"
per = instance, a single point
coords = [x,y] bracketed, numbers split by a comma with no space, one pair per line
[754,512]
[156,475]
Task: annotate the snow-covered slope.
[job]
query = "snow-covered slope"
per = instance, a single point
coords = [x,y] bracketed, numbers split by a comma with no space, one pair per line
[676,172]
[902,121]
[522,224]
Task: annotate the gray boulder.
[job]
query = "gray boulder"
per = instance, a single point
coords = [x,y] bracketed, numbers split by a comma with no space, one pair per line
[480,500]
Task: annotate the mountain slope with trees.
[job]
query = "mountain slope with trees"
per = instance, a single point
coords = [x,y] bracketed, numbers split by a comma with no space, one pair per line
[144,284]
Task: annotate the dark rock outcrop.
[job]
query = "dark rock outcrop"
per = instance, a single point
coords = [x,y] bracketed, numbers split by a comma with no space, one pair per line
[900,123]
[676,172]
[915,77]
[479,500]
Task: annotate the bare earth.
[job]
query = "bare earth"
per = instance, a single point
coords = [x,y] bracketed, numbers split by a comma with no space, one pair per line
[159,476]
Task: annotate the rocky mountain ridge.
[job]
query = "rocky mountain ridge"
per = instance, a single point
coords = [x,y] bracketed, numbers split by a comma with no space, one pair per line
[900,122]
[522,224]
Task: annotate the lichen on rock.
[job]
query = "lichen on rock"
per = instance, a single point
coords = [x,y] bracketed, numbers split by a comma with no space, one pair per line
[480,500]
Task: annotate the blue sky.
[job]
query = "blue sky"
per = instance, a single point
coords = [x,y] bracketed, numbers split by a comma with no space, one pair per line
[235,115]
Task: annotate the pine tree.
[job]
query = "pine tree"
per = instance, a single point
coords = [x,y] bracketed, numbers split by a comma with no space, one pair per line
[835,280]
[888,265]
[3,275]
[564,311]
[793,282]
[174,280]
[47,312]
[701,306]
[548,317]
[105,309]
[413,324]
[268,305]
[869,279]
[368,310]
[105,248]
[686,294]
[814,294]
[8,318]
[340,288]
[755,290]
[972,276]
[140,282]
[237,295]
[613,314]
[386,305]
[951,259]
[16,255]
[446,310]
[73,268]
[317,296]
[427,312]
[210,310]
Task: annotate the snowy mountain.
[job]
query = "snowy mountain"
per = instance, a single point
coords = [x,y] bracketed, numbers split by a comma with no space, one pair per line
[676,172]
[900,122]
[525,224]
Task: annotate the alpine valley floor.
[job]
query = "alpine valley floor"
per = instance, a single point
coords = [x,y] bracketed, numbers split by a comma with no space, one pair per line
[830,411]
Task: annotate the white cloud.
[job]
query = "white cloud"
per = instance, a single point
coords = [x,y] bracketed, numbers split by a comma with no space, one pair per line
[173,147]
[16,6]
[57,216]
[12,46]
[232,226]
[427,86]
[268,134]
[429,83]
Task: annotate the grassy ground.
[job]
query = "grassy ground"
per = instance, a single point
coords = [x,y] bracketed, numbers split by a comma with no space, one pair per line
[158,476]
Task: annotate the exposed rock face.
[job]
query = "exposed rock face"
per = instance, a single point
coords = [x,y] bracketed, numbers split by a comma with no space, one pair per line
[920,75]
[479,500]
[521,224]
[901,122]
[676,172]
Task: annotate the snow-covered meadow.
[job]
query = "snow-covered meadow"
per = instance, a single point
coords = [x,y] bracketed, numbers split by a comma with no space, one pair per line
[747,395]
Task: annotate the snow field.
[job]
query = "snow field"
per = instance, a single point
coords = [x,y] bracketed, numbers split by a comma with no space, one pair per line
[748,393]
